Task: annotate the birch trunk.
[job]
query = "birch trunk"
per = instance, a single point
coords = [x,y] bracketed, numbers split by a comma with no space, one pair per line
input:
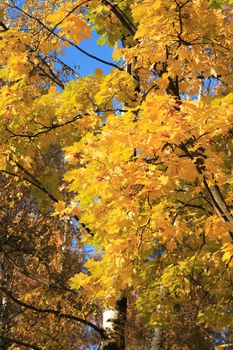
[4,311]
[156,339]
[114,320]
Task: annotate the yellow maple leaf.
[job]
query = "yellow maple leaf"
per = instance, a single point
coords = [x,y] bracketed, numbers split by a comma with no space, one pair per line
[59,207]
[163,179]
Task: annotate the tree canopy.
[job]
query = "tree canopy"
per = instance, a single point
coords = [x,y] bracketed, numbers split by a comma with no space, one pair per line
[116,187]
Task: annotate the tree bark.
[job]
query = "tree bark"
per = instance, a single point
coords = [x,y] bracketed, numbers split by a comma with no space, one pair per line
[4,309]
[156,339]
[114,320]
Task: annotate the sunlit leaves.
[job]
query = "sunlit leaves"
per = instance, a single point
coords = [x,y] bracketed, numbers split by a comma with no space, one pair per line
[71,24]
[142,147]
[216,4]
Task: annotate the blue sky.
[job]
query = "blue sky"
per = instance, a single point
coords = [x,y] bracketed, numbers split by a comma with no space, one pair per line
[86,64]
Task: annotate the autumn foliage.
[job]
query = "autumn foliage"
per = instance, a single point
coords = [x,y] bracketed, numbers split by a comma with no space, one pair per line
[120,183]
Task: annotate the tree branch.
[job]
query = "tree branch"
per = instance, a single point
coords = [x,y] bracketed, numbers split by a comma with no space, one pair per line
[125,21]
[57,313]
[65,39]
[45,129]
[214,192]
[38,279]
[51,74]
[67,15]
[35,182]
[3,26]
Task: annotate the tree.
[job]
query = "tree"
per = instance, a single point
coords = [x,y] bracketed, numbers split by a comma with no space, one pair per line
[38,307]
[146,154]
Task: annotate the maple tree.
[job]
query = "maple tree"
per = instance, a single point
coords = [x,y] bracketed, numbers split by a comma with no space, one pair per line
[135,164]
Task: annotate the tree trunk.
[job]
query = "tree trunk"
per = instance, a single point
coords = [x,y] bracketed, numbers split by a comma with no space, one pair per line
[114,320]
[156,339]
[4,309]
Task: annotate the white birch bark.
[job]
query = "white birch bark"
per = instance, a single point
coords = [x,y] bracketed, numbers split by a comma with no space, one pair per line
[114,320]
[156,339]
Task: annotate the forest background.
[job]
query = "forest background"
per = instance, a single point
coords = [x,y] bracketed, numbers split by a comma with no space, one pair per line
[116,174]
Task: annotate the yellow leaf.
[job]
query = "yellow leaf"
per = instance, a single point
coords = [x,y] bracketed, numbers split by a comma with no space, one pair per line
[60,206]
[171,245]
[163,179]
[98,71]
